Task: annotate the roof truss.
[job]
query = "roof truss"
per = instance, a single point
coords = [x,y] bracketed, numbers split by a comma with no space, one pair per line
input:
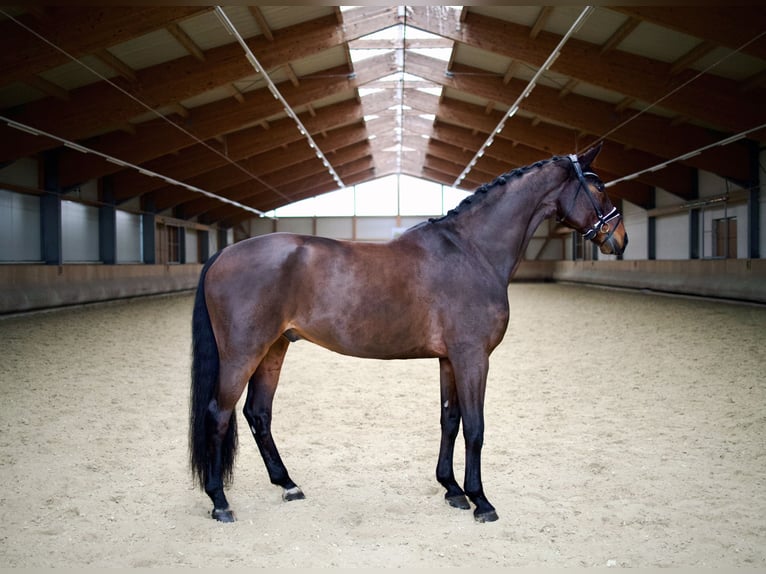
[167,89]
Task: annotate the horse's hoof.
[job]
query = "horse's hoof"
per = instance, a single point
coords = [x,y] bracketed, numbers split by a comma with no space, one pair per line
[490,516]
[459,501]
[223,515]
[294,493]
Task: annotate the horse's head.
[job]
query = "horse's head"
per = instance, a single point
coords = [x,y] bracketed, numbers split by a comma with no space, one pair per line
[584,206]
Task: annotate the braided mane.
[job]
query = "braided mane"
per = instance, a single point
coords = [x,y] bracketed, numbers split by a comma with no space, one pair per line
[482,191]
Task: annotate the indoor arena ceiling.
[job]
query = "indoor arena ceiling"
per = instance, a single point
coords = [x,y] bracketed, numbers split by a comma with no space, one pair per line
[220,114]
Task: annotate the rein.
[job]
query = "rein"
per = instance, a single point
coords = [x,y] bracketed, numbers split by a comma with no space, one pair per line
[601,225]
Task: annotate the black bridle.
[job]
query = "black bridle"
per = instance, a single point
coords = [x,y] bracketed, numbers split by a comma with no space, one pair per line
[602,223]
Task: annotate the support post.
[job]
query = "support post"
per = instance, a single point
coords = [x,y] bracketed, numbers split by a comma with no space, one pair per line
[181,244]
[148,231]
[107,223]
[204,245]
[50,210]
[694,221]
[651,230]
[754,204]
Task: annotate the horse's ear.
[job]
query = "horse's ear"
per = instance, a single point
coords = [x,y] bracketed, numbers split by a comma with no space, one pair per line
[587,157]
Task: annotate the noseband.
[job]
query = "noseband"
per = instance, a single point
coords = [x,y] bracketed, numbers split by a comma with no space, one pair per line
[601,225]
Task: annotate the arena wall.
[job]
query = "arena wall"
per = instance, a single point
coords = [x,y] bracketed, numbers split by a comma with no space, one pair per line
[737,279]
[27,284]
[30,287]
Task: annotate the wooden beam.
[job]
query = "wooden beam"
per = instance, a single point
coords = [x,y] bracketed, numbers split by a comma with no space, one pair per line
[198,162]
[284,180]
[92,106]
[698,52]
[594,116]
[728,25]
[221,179]
[755,81]
[185,40]
[291,75]
[156,138]
[116,64]
[711,99]
[308,187]
[625,30]
[568,88]
[47,87]
[236,93]
[541,21]
[395,43]
[263,25]
[79,30]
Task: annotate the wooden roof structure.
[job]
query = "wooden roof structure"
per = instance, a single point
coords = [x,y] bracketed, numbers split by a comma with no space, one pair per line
[218,114]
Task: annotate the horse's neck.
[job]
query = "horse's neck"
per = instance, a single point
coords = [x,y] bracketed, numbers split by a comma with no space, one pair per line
[503,227]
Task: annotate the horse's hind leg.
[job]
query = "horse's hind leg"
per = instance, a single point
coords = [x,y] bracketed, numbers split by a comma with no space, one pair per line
[257,410]
[219,443]
[450,424]
[222,441]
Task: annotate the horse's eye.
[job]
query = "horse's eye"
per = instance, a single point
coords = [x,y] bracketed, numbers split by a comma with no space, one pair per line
[598,184]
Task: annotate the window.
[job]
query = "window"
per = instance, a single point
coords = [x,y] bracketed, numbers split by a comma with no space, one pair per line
[725,237]
[577,244]
[174,244]
[421,198]
[19,227]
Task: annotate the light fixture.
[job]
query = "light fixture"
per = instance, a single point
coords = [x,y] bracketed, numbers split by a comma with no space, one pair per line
[274,90]
[147,173]
[528,90]
[175,125]
[76,147]
[253,62]
[732,139]
[226,23]
[116,161]
[22,128]
[121,163]
[688,155]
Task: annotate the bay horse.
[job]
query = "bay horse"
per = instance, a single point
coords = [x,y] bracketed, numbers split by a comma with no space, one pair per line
[439,290]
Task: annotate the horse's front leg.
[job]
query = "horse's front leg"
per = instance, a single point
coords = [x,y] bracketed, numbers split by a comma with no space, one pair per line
[450,425]
[471,381]
[257,411]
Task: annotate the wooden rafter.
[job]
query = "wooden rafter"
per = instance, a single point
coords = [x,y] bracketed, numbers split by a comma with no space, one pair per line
[91,106]
[250,128]
[156,137]
[593,116]
[742,23]
[630,74]
[78,30]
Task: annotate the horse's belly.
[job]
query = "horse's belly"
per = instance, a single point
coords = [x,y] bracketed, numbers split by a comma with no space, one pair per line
[374,337]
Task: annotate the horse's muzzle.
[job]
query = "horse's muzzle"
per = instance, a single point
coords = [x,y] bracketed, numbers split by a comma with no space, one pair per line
[615,242]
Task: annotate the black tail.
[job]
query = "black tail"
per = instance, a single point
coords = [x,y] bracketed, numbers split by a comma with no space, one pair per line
[204,385]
